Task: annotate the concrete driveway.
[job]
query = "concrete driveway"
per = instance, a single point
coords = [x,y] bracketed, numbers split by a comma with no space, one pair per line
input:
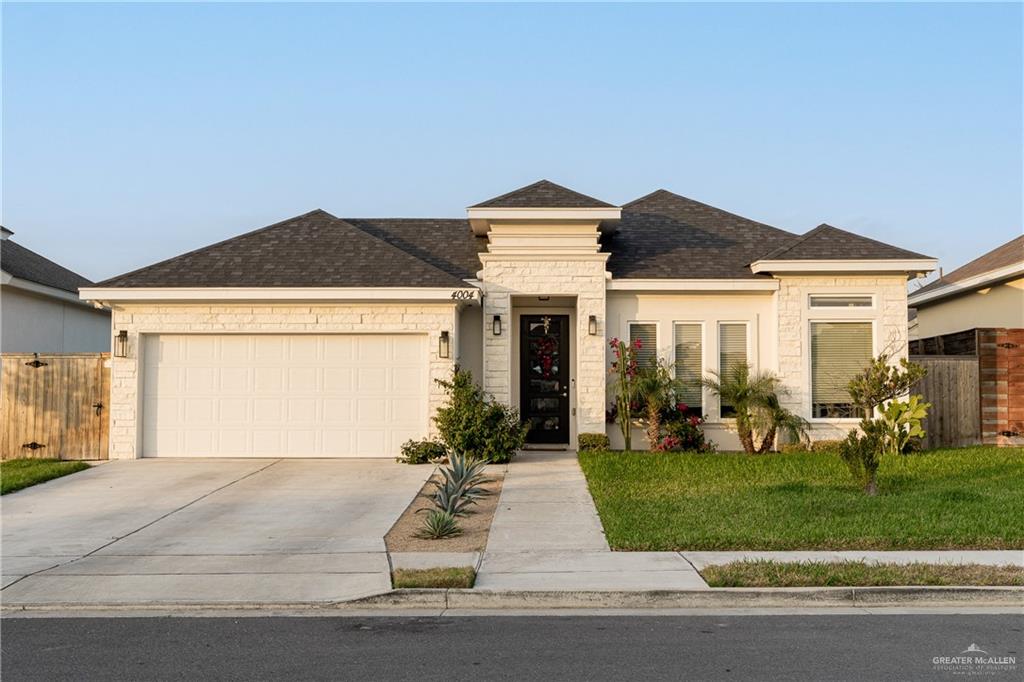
[231,531]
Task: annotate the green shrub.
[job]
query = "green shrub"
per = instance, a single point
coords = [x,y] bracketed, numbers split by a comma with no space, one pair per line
[460,485]
[862,455]
[826,445]
[473,425]
[421,452]
[592,442]
[789,448]
[439,525]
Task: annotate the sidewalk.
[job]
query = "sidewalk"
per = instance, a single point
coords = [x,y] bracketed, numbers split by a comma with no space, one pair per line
[546,535]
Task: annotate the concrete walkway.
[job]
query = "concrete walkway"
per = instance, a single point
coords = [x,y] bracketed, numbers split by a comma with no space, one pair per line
[546,535]
[210,531]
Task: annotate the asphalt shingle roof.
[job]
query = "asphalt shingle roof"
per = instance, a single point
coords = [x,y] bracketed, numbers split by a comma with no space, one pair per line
[315,249]
[826,242]
[667,236]
[660,236]
[26,264]
[1008,254]
[543,194]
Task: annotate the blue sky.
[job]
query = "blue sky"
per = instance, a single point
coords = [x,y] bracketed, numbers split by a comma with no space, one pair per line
[133,133]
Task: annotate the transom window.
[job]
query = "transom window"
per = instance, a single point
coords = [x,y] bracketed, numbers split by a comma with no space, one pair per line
[647,334]
[839,351]
[688,364]
[841,301]
[732,351]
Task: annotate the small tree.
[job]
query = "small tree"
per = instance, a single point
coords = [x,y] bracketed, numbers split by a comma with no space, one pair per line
[624,368]
[879,388]
[744,390]
[655,390]
[771,417]
[882,381]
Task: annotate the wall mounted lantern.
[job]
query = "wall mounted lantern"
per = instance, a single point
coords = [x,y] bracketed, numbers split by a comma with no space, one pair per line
[121,344]
[592,325]
[444,347]
[496,325]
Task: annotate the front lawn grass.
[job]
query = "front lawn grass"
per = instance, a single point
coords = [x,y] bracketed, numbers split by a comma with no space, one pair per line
[966,498]
[857,574]
[405,578]
[16,474]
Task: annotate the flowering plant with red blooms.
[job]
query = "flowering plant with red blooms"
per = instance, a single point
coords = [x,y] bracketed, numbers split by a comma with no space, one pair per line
[685,432]
[625,368]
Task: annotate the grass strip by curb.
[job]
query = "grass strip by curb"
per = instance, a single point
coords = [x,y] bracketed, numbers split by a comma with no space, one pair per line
[406,578]
[764,573]
[16,474]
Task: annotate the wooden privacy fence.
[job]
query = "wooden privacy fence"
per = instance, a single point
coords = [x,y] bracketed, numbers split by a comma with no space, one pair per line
[54,405]
[952,387]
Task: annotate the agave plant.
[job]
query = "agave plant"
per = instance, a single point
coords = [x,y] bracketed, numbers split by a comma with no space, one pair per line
[460,484]
[439,524]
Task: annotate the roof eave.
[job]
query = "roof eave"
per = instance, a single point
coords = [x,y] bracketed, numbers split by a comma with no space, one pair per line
[468,293]
[480,219]
[911,267]
[965,285]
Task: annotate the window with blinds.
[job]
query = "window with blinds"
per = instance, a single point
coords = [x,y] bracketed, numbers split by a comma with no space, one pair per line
[688,366]
[647,333]
[839,350]
[732,350]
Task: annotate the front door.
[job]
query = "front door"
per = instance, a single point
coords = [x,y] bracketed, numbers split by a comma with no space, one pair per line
[544,377]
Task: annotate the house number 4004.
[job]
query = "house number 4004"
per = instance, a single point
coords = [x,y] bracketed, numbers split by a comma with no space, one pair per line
[463,295]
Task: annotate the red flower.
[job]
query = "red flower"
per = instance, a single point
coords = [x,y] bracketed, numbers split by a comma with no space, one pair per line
[638,344]
[695,421]
[682,407]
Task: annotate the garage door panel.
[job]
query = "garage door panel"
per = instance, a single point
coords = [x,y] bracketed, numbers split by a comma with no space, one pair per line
[283,395]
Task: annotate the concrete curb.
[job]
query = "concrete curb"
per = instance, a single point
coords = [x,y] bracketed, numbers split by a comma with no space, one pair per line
[714,598]
[507,600]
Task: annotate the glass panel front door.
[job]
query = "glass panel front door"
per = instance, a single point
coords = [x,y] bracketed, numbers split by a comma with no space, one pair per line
[544,377]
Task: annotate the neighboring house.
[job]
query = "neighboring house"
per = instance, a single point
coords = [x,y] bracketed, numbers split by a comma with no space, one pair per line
[40,310]
[323,337]
[988,292]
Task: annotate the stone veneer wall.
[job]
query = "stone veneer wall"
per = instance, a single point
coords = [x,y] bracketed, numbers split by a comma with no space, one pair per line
[282,318]
[889,314]
[505,276]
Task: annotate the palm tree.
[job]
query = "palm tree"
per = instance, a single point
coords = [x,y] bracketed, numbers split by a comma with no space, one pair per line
[771,418]
[746,392]
[655,387]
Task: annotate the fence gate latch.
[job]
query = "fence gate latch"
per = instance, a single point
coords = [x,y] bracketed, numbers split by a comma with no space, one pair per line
[98,407]
[33,445]
[1007,345]
[36,363]
[1009,434]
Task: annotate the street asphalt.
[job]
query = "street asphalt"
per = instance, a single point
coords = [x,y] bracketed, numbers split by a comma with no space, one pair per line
[726,647]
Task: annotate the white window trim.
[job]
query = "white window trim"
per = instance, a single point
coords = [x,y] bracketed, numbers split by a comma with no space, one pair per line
[657,335]
[833,294]
[703,357]
[718,363]
[839,421]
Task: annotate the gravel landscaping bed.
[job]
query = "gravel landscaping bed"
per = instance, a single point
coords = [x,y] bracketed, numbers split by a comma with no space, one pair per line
[475,526]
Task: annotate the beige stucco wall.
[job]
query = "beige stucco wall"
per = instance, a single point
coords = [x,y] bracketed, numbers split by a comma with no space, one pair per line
[31,323]
[888,315]
[505,276]
[139,319]
[999,306]
[757,310]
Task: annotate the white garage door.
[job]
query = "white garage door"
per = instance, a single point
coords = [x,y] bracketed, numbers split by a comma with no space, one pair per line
[283,396]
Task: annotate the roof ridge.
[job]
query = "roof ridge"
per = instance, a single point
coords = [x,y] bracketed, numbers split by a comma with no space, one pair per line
[716,208]
[545,183]
[779,250]
[393,247]
[211,246]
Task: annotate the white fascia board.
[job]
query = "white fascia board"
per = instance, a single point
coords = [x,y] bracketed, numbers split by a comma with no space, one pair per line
[964,285]
[436,294]
[43,290]
[910,265]
[677,285]
[481,218]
